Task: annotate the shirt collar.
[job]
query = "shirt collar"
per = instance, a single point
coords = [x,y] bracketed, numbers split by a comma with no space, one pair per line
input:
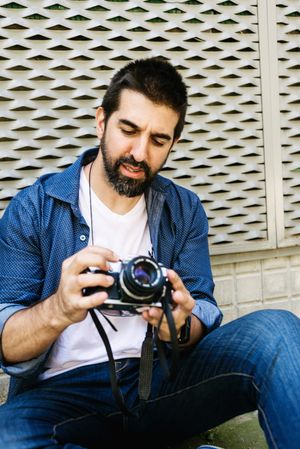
[65,185]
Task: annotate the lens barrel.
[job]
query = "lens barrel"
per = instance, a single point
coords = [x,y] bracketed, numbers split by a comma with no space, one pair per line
[141,279]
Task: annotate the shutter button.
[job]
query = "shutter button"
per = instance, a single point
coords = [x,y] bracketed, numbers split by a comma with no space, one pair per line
[82,238]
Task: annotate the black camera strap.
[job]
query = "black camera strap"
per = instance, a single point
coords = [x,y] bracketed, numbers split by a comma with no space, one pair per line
[113,375]
[146,365]
[146,361]
[171,370]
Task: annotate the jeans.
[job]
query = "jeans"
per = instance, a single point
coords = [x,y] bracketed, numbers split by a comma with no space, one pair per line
[252,363]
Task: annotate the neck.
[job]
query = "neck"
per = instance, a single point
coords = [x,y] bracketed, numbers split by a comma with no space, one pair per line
[105,192]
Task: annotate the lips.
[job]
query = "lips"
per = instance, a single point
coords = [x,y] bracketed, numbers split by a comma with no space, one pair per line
[132,171]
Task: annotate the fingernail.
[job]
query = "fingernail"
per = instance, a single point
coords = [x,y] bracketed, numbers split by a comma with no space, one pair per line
[109,279]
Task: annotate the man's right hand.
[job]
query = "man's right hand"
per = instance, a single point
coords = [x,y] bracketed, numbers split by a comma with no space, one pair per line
[71,305]
[31,331]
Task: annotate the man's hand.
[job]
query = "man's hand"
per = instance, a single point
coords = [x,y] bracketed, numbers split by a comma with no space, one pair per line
[184,304]
[70,305]
[32,330]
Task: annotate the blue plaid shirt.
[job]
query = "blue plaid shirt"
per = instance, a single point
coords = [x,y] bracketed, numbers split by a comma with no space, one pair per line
[42,226]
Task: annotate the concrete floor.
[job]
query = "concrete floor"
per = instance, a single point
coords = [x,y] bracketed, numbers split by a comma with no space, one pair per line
[242,432]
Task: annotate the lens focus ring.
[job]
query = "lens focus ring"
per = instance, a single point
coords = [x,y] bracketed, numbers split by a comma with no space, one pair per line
[142,278]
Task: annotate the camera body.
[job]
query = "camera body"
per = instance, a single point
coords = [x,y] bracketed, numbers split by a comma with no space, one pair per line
[139,283]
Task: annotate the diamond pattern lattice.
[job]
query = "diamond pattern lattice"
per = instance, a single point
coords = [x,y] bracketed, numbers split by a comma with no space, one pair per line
[288,18]
[57,59]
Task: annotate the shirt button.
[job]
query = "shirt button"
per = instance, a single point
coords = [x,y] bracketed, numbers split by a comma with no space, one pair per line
[83,237]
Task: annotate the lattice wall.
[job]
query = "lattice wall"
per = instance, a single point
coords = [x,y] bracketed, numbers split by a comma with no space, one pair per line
[57,59]
[288,18]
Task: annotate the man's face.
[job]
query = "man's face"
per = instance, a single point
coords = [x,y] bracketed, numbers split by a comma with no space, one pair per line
[135,142]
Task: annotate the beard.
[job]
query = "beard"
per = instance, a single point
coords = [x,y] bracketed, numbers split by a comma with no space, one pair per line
[124,185]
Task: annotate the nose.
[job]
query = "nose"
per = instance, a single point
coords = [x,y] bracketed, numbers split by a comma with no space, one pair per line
[139,149]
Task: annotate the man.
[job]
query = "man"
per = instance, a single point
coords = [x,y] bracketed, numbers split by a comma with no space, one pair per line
[61,238]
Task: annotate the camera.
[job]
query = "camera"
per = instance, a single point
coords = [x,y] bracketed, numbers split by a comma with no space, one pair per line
[139,283]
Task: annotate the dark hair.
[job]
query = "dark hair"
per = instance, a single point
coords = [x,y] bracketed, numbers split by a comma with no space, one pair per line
[155,78]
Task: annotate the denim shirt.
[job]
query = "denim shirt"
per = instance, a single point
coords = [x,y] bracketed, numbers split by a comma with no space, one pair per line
[42,226]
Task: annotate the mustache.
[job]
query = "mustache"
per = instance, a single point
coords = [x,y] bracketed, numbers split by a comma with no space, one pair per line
[131,161]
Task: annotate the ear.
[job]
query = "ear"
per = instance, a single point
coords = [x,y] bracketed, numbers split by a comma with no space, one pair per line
[100,122]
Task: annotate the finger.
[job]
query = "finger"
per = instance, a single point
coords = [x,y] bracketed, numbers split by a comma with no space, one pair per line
[106,252]
[175,280]
[93,280]
[91,257]
[83,304]
[95,300]
[184,303]
[164,330]
[153,315]
[94,249]
[156,317]
[180,297]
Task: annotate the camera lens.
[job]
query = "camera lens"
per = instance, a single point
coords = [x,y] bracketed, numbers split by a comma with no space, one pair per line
[141,279]
[142,274]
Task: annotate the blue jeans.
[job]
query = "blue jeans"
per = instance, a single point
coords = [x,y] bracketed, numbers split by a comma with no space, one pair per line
[248,364]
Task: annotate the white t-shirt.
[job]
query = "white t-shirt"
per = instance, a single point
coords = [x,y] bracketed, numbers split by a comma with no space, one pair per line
[127,235]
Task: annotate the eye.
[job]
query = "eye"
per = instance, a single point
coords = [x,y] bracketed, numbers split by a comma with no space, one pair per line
[128,132]
[158,143]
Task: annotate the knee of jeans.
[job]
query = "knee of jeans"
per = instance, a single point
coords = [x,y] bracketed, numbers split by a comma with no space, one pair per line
[274,324]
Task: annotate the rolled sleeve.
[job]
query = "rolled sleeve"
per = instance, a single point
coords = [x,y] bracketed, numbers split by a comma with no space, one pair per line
[208,313]
[6,311]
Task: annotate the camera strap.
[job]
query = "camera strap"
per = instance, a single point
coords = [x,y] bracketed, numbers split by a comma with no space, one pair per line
[146,361]
[146,365]
[112,369]
[171,370]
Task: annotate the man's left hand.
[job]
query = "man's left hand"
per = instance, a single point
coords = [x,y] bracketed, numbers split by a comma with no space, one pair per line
[183,306]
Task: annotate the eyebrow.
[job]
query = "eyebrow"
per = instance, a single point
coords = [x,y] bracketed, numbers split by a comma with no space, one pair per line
[126,122]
